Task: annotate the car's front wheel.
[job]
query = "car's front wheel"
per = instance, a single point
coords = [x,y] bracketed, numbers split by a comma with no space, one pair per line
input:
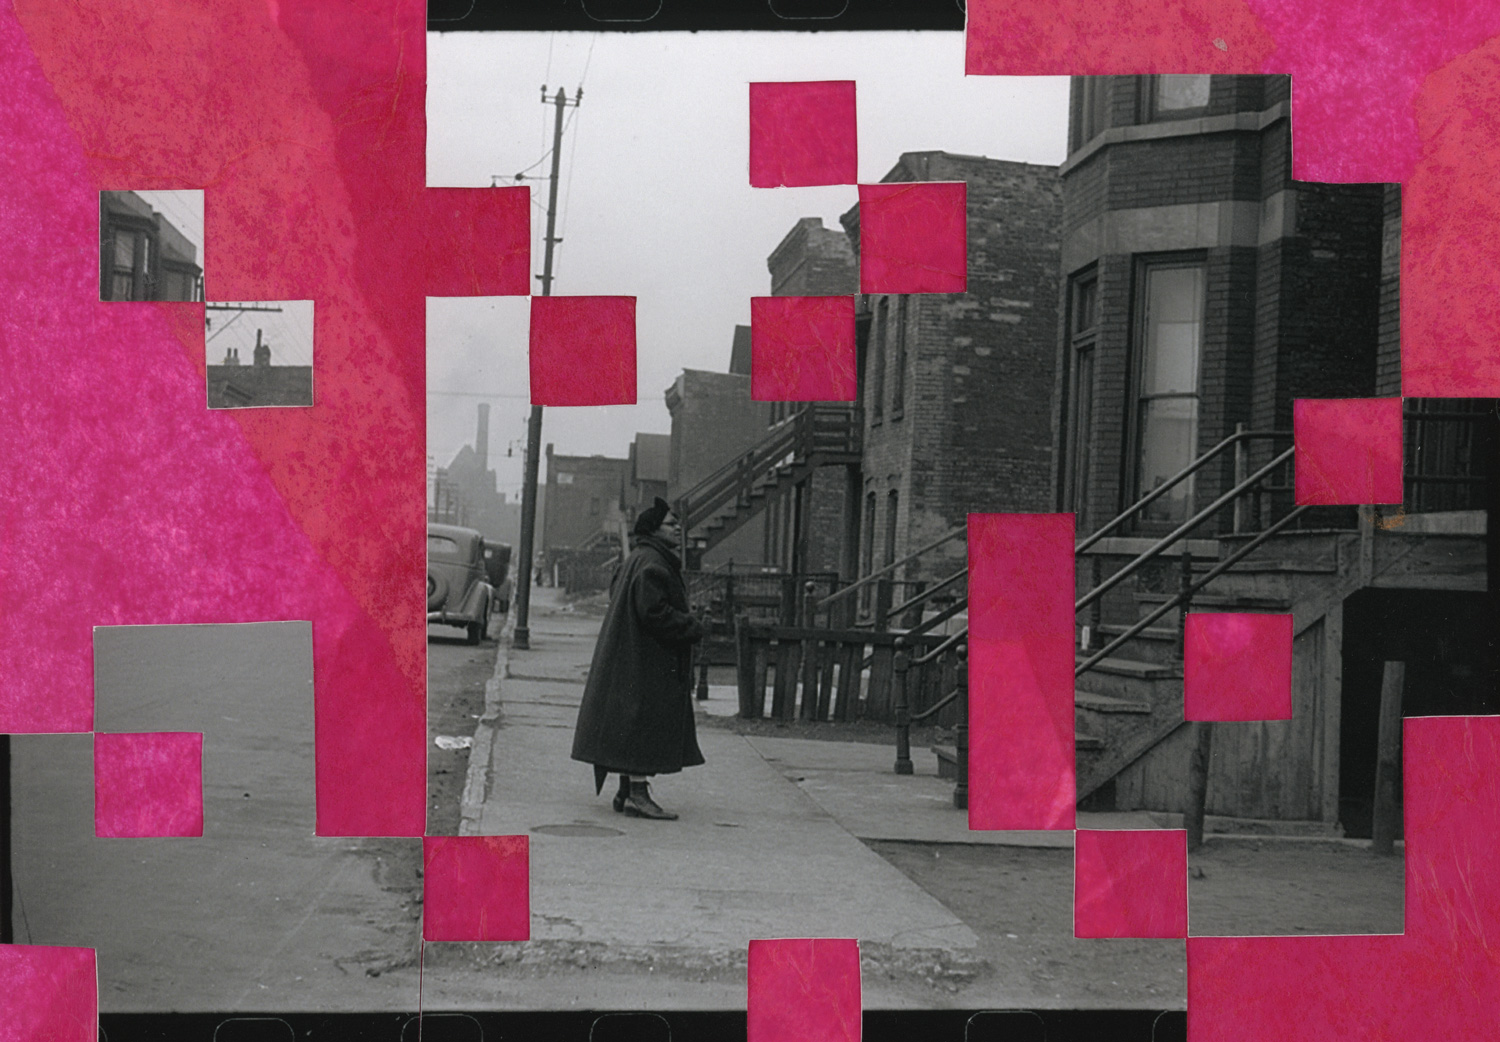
[477,628]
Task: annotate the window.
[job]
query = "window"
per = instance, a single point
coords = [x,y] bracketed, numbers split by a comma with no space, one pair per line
[122,279]
[898,343]
[1166,416]
[892,506]
[1176,97]
[1083,322]
[869,555]
[1090,110]
[877,363]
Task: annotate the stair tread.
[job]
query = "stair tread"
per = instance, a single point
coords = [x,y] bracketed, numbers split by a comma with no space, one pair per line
[1213,598]
[1109,703]
[1114,629]
[1130,667]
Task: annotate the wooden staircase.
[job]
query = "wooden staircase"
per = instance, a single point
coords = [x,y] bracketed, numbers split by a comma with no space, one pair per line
[817,435]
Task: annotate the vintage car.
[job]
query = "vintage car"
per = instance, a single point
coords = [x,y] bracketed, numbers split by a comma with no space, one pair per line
[497,568]
[458,589]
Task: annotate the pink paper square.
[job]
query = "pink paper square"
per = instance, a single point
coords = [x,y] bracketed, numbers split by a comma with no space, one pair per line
[583,350]
[913,238]
[802,349]
[48,993]
[1022,773]
[1130,883]
[1348,450]
[476,888]
[148,784]
[802,134]
[803,991]
[1237,666]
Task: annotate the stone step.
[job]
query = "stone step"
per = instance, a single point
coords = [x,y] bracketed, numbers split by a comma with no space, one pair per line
[1095,702]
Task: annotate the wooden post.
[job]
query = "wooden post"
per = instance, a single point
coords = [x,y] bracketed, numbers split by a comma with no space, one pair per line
[1241,471]
[1198,784]
[744,667]
[961,737]
[1387,819]
[903,709]
[884,589]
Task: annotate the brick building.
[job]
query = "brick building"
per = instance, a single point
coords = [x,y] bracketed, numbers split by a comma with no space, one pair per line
[650,472]
[956,388]
[142,256]
[1205,289]
[583,504]
[807,528]
[713,421]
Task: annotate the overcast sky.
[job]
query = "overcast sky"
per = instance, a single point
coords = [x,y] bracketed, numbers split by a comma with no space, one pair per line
[655,200]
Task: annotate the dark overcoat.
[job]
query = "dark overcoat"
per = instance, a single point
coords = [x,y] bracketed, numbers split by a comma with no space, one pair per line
[637,710]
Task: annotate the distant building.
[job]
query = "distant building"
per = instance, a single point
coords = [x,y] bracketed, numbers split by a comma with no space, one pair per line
[464,492]
[583,505]
[713,421]
[234,385]
[141,255]
[650,472]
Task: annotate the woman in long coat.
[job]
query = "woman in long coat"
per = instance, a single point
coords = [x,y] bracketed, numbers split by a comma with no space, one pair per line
[636,718]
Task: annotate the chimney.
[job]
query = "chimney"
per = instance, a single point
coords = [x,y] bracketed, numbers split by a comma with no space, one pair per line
[262,352]
[482,438]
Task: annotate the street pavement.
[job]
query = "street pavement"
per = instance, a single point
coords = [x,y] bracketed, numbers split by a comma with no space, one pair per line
[256,914]
[768,845]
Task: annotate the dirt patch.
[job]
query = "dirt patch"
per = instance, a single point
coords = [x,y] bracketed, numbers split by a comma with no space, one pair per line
[1253,887]
[1019,902]
[456,675]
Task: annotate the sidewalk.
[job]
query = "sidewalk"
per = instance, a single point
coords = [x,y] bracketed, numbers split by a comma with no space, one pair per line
[751,857]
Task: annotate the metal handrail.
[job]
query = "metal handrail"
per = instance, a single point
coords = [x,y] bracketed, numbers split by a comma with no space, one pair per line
[1181,530]
[1176,479]
[957,638]
[877,575]
[1208,577]
[929,592]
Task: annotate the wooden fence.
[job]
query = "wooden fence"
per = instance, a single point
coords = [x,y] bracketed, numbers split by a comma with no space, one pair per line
[834,675]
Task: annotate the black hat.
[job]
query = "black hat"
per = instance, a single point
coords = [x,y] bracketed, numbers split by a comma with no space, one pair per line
[651,518]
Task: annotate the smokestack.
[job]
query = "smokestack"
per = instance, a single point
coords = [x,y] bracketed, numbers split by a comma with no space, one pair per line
[262,351]
[482,438]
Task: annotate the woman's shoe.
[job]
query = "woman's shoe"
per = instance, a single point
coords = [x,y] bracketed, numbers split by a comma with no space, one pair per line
[639,804]
[624,794]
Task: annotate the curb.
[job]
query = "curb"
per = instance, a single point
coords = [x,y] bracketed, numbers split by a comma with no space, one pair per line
[477,776]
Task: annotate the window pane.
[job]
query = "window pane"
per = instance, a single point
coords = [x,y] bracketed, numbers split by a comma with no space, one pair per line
[1174,330]
[1181,92]
[124,286]
[1169,436]
[124,250]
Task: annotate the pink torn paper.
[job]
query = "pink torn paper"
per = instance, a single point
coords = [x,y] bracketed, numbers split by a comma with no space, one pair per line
[803,991]
[1021,769]
[48,993]
[1130,883]
[913,238]
[582,350]
[802,349]
[148,784]
[476,888]
[1440,979]
[1348,450]
[1237,666]
[802,134]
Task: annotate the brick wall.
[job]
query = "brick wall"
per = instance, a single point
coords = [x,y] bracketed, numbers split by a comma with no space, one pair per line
[714,420]
[974,430]
[583,494]
[813,261]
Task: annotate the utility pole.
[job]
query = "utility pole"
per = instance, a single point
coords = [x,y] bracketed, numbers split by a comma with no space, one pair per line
[522,635]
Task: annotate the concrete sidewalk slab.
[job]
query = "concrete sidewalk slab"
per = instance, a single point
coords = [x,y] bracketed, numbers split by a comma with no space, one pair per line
[751,856]
[856,784]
